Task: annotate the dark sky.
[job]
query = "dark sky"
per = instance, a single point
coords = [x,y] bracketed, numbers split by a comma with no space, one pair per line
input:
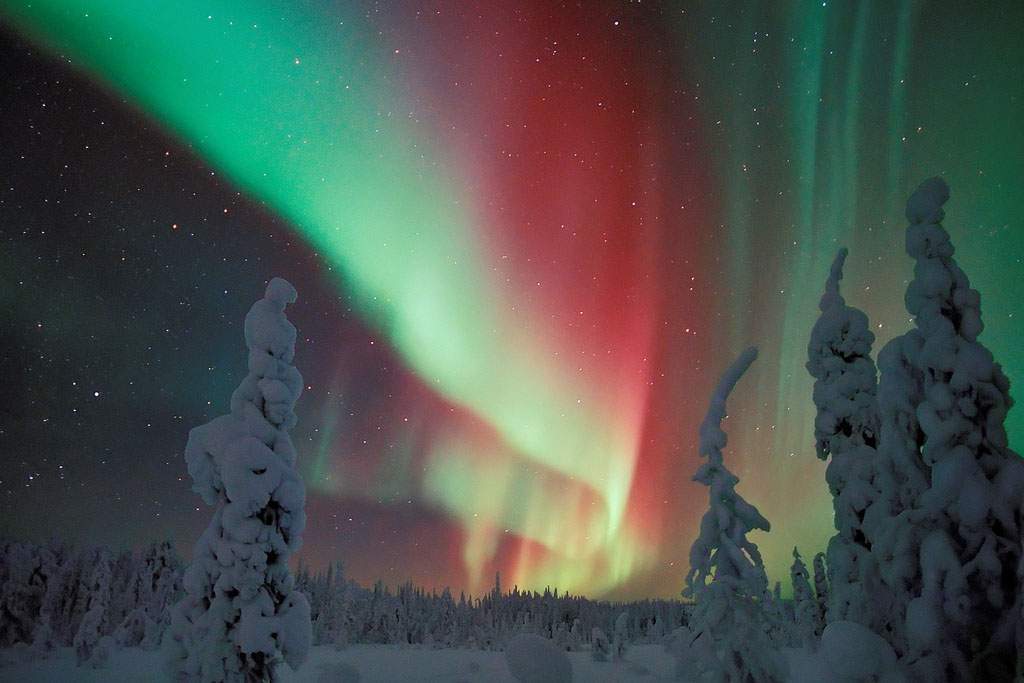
[128,266]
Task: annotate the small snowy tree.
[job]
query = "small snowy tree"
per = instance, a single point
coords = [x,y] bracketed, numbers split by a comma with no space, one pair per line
[241,615]
[821,591]
[600,647]
[804,605]
[88,642]
[946,529]
[727,577]
[575,636]
[153,589]
[124,588]
[22,590]
[163,584]
[620,645]
[45,637]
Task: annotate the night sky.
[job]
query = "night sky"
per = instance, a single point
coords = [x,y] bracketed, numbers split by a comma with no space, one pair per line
[526,239]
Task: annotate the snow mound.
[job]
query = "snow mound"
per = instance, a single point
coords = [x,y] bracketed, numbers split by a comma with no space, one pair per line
[532,659]
[851,652]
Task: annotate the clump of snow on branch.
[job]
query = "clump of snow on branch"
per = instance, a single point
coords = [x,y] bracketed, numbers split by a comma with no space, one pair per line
[241,616]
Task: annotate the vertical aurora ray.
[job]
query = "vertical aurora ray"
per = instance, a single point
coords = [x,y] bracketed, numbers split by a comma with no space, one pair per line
[853,124]
[562,222]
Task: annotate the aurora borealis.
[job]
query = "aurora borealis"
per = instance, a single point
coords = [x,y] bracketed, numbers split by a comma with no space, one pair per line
[526,237]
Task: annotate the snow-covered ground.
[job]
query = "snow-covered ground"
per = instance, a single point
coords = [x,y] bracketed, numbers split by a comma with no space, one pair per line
[362,663]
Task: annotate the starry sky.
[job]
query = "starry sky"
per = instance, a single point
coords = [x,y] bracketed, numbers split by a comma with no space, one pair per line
[526,239]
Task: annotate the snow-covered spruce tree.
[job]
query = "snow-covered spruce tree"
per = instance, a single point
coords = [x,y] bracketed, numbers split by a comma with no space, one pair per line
[730,624]
[126,609]
[89,648]
[21,592]
[601,647]
[946,530]
[620,644]
[241,616]
[124,588]
[45,637]
[820,591]
[153,588]
[804,605]
[163,584]
[846,429]
[69,607]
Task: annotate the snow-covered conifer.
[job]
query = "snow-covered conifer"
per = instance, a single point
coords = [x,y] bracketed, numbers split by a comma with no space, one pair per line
[804,604]
[727,577]
[21,592]
[45,637]
[839,359]
[621,642]
[947,531]
[132,629]
[74,600]
[575,641]
[241,616]
[124,587]
[163,577]
[600,647]
[820,591]
[88,644]
[845,428]
[148,594]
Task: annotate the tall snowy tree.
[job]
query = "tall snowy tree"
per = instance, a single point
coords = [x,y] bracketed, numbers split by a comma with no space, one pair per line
[727,579]
[846,430]
[241,616]
[946,530]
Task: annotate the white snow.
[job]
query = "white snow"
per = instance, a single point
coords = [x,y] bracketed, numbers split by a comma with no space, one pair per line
[356,663]
[532,659]
[848,653]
